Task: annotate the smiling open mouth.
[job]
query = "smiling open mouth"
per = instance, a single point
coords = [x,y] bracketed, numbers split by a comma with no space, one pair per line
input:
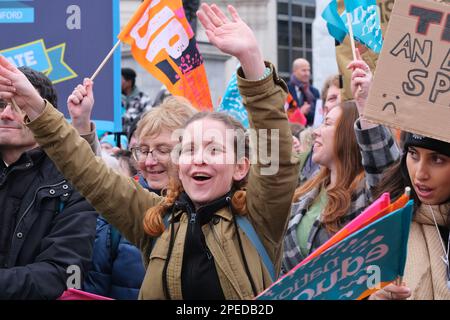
[156,172]
[201,177]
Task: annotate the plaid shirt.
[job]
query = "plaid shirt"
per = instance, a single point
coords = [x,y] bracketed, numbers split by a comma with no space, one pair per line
[379,151]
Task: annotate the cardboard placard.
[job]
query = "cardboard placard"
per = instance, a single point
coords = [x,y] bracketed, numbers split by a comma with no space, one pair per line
[411,89]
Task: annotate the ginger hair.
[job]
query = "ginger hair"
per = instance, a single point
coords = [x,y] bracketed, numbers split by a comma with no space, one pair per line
[349,171]
[153,219]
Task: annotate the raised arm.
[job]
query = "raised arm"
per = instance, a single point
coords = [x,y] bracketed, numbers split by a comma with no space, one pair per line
[378,148]
[121,200]
[80,104]
[233,37]
[272,180]
[361,82]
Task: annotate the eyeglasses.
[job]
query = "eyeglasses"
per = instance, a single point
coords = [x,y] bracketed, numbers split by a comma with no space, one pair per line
[140,154]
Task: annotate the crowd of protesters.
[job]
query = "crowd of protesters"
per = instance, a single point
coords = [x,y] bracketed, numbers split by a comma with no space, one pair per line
[170,205]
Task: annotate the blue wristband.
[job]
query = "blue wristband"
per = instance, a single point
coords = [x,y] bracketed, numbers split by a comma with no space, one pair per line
[267,72]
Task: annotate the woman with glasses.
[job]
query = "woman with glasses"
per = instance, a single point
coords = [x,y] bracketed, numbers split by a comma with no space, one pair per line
[156,135]
[117,267]
[192,243]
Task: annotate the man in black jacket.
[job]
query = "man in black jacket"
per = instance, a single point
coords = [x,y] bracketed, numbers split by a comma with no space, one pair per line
[46,228]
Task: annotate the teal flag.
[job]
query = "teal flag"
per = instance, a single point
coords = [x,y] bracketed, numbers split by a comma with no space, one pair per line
[335,25]
[232,102]
[354,267]
[365,22]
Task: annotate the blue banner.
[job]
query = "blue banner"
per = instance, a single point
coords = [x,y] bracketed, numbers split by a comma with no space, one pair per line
[67,40]
[353,268]
[35,55]
[232,102]
[16,12]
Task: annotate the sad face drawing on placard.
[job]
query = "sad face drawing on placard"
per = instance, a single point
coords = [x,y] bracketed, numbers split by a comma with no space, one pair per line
[390,104]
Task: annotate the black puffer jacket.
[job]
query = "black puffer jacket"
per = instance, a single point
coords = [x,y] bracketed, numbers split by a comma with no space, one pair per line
[45,227]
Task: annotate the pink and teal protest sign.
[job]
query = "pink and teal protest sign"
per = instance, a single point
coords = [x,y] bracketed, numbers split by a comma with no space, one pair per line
[353,268]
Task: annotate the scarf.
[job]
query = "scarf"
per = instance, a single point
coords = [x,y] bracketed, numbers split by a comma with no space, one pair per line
[425,272]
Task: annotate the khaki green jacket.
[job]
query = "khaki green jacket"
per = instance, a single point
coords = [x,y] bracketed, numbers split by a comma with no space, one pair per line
[123,202]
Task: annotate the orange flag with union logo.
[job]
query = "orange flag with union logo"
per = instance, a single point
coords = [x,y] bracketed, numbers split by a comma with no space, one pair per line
[162,41]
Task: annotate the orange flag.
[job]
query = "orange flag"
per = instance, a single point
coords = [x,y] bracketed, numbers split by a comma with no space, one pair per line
[162,41]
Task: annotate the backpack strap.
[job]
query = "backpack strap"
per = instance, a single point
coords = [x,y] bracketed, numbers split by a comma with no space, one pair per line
[166,225]
[248,229]
[166,220]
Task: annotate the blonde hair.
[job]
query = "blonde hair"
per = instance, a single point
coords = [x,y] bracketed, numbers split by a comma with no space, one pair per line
[306,138]
[170,115]
[330,81]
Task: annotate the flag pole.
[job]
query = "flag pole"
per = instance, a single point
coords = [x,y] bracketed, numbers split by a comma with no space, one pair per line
[399,280]
[16,107]
[408,191]
[352,40]
[350,29]
[105,60]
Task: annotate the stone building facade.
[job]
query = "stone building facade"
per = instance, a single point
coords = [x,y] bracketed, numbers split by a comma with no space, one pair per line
[285,29]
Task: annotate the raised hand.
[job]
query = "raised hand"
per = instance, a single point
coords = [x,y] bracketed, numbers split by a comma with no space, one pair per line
[233,37]
[361,81]
[15,85]
[80,104]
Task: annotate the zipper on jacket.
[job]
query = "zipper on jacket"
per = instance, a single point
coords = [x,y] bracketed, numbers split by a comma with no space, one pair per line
[193,216]
[3,174]
[192,221]
[32,202]
[26,212]
[208,253]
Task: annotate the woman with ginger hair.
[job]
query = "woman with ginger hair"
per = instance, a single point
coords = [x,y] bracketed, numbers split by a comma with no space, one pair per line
[117,268]
[352,154]
[191,243]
